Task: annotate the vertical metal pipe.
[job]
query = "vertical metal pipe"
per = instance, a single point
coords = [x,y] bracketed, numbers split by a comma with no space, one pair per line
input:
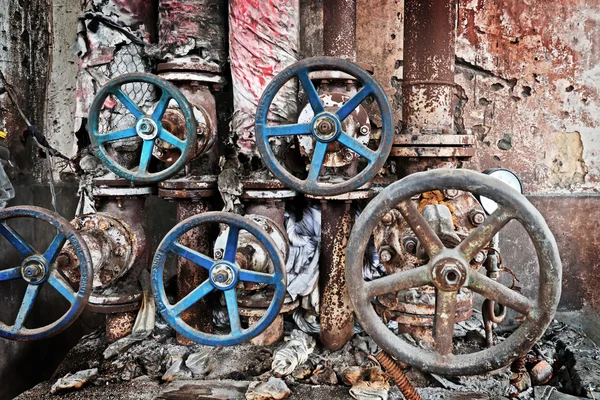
[428,84]
[337,316]
[189,275]
[339,28]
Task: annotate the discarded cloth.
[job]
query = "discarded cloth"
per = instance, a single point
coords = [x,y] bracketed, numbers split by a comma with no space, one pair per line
[295,352]
[74,381]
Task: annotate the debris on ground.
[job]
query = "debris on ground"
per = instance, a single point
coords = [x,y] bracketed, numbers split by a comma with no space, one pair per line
[74,381]
[274,388]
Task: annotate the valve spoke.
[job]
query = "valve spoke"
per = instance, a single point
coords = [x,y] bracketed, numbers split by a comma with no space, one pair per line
[354,102]
[287,130]
[117,135]
[62,286]
[127,102]
[311,92]
[357,147]
[443,325]
[10,274]
[171,139]
[146,155]
[55,247]
[16,240]
[427,237]
[402,280]
[317,161]
[232,310]
[192,255]
[256,277]
[493,290]
[161,106]
[482,235]
[26,306]
[192,298]
[232,242]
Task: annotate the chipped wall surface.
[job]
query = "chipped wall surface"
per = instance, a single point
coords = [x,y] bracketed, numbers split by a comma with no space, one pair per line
[531,71]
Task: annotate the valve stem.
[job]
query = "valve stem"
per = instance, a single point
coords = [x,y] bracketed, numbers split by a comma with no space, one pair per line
[394,371]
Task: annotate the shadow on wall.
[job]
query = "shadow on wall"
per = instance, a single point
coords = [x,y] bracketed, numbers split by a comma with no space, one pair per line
[25,364]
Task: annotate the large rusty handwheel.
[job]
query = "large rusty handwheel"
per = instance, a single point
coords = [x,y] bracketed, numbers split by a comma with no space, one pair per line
[448,270]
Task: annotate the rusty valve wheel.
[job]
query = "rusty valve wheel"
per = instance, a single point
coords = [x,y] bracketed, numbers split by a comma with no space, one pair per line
[448,270]
[325,127]
[223,276]
[148,127]
[39,268]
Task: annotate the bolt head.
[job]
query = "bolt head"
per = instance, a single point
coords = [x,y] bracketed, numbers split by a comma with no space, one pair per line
[479,257]
[451,193]
[387,219]
[477,217]
[410,245]
[450,273]
[364,130]
[218,254]
[385,256]
[349,156]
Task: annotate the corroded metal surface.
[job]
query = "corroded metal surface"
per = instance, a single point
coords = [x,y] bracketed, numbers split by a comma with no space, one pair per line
[337,318]
[189,275]
[404,385]
[119,325]
[195,28]
[339,28]
[447,278]
[111,243]
[427,88]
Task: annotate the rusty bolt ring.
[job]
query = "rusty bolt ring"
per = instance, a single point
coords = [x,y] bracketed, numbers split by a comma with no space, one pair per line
[319,64]
[99,148]
[158,284]
[550,274]
[85,285]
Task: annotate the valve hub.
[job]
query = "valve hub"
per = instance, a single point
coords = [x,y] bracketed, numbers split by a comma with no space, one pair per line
[326,127]
[146,128]
[223,275]
[34,270]
[449,274]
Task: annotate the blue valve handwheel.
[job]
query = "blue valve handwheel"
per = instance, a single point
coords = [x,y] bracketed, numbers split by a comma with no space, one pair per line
[148,128]
[224,274]
[330,120]
[39,268]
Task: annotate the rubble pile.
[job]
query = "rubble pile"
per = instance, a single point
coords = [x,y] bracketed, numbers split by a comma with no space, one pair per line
[565,363]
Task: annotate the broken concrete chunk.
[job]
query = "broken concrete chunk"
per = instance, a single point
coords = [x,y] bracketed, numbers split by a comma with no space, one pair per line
[274,388]
[74,381]
[295,352]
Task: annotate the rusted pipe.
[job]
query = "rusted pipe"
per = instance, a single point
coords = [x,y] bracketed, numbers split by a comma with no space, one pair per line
[337,315]
[394,371]
[189,275]
[427,89]
[339,28]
